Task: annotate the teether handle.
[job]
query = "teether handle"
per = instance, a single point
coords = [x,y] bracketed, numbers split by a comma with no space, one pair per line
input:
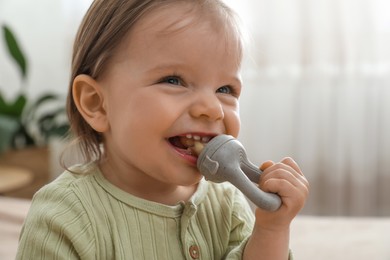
[265,200]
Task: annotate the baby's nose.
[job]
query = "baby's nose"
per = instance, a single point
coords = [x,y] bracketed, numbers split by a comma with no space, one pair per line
[207,105]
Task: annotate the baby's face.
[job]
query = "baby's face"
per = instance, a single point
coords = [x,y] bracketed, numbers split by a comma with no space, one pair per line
[173,81]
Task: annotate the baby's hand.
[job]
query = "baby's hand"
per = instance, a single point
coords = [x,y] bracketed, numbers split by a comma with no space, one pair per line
[286,179]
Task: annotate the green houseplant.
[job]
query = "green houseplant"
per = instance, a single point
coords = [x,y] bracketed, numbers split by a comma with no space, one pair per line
[27,125]
[25,122]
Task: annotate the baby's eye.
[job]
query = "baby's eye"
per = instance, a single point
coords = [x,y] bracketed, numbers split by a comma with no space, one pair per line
[174,80]
[225,90]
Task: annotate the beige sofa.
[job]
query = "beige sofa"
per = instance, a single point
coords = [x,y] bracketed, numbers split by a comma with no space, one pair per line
[312,237]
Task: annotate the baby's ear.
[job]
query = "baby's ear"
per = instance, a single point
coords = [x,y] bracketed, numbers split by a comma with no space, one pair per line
[89,99]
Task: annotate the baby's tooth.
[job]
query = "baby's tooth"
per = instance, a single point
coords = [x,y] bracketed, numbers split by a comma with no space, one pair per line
[189,136]
[205,139]
[196,137]
[198,147]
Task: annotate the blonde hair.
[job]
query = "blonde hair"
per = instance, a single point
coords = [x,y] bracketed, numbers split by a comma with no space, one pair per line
[105,25]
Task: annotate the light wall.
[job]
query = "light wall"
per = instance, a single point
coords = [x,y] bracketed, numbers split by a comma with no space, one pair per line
[45,30]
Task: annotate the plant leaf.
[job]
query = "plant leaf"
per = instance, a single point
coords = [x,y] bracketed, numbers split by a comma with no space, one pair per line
[15,50]
[30,112]
[22,138]
[3,105]
[50,120]
[19,105]
[45,98]
[13,109]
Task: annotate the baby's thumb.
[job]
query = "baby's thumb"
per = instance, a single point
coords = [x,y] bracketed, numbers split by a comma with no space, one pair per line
[266,165]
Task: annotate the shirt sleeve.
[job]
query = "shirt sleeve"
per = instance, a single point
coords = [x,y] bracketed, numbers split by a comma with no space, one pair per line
[242,226]
[243,221]
[57,227]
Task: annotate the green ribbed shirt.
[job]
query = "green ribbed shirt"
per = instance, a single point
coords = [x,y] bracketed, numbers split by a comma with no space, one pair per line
[83,216]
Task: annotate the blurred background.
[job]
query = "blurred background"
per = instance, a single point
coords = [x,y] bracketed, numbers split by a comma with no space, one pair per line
[316,88]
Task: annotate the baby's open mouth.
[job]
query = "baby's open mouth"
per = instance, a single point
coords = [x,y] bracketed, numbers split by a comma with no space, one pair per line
[190,144]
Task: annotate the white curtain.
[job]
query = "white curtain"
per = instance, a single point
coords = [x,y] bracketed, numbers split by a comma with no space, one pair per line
[317,88]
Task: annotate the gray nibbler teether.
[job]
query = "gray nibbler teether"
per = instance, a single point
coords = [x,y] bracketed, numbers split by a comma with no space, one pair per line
[224,159]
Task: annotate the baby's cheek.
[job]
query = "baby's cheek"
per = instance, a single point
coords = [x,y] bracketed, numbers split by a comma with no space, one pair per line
[233,123]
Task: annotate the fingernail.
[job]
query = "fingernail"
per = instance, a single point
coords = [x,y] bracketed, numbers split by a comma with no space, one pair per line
[266,165]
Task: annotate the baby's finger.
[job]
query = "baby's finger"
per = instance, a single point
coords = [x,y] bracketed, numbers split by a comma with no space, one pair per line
[283,171]
[291,194]
[280,176]
[272,170]
[290,162]
[286,174]
[266,165]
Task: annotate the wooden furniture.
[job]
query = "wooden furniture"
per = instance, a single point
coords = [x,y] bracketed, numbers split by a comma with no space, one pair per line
[32,159]
[13,178]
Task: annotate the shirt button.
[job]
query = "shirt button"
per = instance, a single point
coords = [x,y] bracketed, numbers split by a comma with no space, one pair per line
[194,252]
